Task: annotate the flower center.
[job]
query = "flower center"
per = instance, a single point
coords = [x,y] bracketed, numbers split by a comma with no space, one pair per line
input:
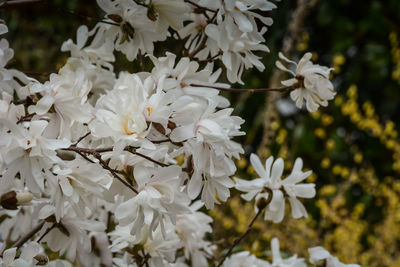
[127,126]
[149,110]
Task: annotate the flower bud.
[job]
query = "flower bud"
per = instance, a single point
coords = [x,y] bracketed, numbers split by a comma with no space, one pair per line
[262,203]
[115,17]
[41,259]
[151,13]
[11,200]
[24,198]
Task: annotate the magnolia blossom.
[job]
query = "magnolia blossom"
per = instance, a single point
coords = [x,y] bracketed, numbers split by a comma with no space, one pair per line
[242,11]
[27,151]
[319,255]
[70,234]
[311,82]
[237,48]
[120,113]
[77,183]
[270,178]
[159,198]
[191,229]
[211,150]
[244,258]
[32,255]
[277,260]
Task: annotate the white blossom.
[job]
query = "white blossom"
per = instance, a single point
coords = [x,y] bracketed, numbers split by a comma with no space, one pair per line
[319,255]
[311,82]
[270,178]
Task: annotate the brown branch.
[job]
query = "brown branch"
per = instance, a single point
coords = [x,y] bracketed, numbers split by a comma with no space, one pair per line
[202,45]
[131,150]
[7,3]
[243,90]
[27,117]
[210,59]
[47,231]
[88,18]
[141,61]
[113,172]
[200,7]
[28,236]
[81,138]
[96,153]
[249,227]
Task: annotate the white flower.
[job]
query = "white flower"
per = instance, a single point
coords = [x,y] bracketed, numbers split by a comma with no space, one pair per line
[67,93]
[244,258]
[191,229]
[242,11]
[311,82]
[77,183]
[292,261]
[71,234]
[28,152]
[161,244]
[270,177]
[139,25]
[120,114]
[209,134]
[159,199]
[3,28]
[237,48]
[319,255]
[177,78]
[10,80]
[99,55]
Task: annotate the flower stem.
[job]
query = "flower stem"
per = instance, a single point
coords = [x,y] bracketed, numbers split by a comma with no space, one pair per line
[242,90]
[249,227]
[28,236]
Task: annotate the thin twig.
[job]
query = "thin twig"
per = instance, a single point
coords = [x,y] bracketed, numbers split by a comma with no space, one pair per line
[71,12]
[18,2]
[28,236]
[131,150]
[47,231]
[81,138]
[96,154]
[202,45]
[241,90]
[141,60]
[27,117]
[209,59]
[85,157]
[201,7]
[249,227]
[112,171]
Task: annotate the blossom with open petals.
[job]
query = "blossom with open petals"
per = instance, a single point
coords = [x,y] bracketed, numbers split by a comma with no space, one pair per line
[311,82]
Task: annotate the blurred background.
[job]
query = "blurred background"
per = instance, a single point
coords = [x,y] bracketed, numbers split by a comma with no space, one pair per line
[352,146]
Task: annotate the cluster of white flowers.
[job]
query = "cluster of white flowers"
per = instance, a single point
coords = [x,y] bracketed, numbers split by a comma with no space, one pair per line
[111,169]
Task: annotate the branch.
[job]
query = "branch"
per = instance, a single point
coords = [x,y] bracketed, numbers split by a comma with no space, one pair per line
[96,154]
[71,12]
[131,150]
[28,236]
[112,171]
[200,7]
[27,117]
[249,227]
[81,138]
[241,90]
[202,45]
[7,3]
[47,231]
